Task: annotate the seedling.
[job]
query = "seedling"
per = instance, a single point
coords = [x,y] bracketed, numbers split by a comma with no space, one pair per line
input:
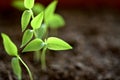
[49,25]
[52,43]
[12,50]
[34,38]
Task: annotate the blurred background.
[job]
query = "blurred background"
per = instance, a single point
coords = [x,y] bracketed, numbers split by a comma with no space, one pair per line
[92,28]
[6,4]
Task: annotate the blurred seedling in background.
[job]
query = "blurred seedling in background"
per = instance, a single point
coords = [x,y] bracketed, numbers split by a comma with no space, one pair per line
[35,39]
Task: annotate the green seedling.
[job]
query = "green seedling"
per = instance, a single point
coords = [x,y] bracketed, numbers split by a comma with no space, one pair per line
[40,24]
[12,50]
[35,38]
[52,43]
[51,21]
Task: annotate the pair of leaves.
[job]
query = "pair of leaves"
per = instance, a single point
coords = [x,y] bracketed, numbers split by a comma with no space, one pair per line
[52,43]
[35,23]
[16,68]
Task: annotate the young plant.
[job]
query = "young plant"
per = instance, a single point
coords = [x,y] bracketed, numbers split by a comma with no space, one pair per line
[52,43]
[35,38]
[51,20]
[12,50]
[40,24]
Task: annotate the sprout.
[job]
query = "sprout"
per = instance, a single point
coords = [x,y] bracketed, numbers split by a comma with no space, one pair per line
[36,38]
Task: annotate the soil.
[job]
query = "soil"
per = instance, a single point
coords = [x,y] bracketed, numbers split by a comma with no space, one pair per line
[94,35]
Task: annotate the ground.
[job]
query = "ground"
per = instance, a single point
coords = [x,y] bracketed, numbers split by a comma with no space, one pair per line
[94,36]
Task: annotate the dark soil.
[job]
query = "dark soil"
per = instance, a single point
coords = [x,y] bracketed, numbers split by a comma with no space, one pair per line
[94,35]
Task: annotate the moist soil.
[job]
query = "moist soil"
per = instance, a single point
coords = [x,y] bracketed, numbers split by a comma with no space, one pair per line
[94,36]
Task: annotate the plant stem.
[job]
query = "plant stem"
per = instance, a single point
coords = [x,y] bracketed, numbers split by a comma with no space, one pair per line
[37,56]
[32,13]
[29,72]
[43,60]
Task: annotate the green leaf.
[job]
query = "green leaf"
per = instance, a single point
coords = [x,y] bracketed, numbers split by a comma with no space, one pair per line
[9,46]
[28,4]
[27,36]
[41,31]
[50,10]
[34,45]
[56,21]
[54,43]
[26,16]
[37,8]
[16,68]
[37,21]
[18,4]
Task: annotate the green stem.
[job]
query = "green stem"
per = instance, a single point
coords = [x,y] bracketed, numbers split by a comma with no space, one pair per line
[43,60]
[37,56]
[29,72]
[32,13]
[35,34]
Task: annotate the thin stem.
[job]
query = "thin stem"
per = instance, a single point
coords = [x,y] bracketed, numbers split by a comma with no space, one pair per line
[32,13]
[35,34]
[37,56]
[43,60]
[29,72]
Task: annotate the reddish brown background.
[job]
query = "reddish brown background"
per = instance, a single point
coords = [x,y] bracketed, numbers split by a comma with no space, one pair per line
[5,4]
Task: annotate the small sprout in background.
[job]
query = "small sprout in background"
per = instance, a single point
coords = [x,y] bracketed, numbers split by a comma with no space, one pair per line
[56,21]
[18,4]
[53,20]
[37,8]
[50,9]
